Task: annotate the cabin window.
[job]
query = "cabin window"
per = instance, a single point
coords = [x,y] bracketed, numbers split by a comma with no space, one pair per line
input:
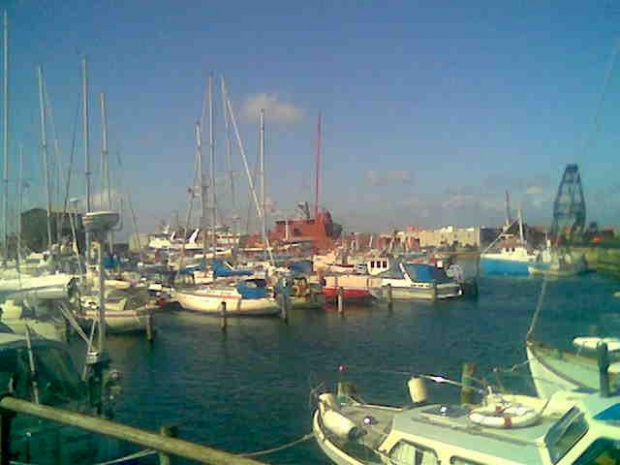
[407,453]
[384,264]
[602,450]
[372,264]
[565,434]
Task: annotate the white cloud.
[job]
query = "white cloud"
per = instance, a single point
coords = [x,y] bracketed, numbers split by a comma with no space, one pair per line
[392,177]
[534,191]
[98,201]
[276,110]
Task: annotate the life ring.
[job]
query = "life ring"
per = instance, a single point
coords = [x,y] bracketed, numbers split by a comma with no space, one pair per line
[509,416]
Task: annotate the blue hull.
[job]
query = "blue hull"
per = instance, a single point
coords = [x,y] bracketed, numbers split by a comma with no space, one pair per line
[495,267]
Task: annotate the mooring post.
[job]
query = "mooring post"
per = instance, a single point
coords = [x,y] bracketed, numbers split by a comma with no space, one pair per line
[602,353]
[170,432]
[389,296]
[150,336]
[341,301]
[285,301]
[5,436]
[467,380]
[223,322]
[434,291]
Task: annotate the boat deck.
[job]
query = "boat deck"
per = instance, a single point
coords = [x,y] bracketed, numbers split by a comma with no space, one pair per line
[377,429]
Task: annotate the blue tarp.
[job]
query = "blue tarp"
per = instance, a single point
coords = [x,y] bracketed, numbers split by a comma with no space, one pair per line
[426,273]
[253,288]
[224,270]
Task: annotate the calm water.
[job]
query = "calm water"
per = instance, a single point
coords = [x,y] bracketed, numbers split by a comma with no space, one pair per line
[248,389]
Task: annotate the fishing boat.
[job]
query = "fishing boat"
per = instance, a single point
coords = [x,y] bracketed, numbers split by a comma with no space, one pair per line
[567,428]
[562,264]
[245,297]
[411,281]
[554,369]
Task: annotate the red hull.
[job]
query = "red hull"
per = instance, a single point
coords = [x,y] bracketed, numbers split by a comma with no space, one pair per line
[331,293]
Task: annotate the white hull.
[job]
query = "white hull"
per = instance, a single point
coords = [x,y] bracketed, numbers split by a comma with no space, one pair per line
[405,290]
[330,449]
[125,321]
[49,287]
[210,302]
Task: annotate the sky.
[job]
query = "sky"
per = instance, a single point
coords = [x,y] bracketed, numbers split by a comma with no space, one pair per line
[430,109]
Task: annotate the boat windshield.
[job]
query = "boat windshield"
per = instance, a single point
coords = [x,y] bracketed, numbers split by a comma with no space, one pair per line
[57,380]
[565,434]
[426,273]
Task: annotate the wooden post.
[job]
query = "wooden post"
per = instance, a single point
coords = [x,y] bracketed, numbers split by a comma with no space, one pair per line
[434,291]
[389,296]
[170,432]
[149,327]
[223,322]
[341,301]
[467,392]
[285,301]
[603,367]
[5,436]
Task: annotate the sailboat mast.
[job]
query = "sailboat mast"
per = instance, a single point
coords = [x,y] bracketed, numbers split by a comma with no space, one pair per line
[317,168]
[508,218]
[5,200]
[261,160]
[203,190]
[521,236]
[20,195]
[212,165]
[105,165]
[45,158]
[87,171]
[257,205]
[231,175]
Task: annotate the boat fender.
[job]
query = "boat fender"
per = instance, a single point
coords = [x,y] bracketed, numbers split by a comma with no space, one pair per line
[417,390]
[340,425]
[512,416]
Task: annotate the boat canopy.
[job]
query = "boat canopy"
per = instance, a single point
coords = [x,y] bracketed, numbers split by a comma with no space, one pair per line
[253,288]
[224,270]
[426,273]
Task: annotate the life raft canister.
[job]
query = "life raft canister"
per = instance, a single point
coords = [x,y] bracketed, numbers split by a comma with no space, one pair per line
[505,416]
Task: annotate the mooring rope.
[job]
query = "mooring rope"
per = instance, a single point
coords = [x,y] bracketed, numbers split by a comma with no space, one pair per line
[137,455]
[288,445]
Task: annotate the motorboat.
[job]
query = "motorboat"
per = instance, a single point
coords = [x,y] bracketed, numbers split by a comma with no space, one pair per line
[41,371]
[355,287]
[554,369]
[566,428]
[238,297]
[413,281]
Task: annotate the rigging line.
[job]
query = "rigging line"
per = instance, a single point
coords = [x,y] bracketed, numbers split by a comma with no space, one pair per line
[71,158]
[288,445]
[588,136]
[541,298]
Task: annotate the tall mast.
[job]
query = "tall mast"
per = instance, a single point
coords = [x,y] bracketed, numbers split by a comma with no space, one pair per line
[105,165]
[5,200]
[247,170]
[203,190]
[508,218]
[87,171]
[521,236]
[261,161]
[231,175]
[45,160]
[20,195]
[212,165]
[317,168]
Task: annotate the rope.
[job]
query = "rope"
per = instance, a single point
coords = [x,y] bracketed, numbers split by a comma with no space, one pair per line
[137,455]
[541,299]
[279,448]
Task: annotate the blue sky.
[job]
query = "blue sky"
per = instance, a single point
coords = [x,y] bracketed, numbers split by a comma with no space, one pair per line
[430,109]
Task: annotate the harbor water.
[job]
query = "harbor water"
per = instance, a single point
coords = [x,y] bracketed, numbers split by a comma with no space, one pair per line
[248,389]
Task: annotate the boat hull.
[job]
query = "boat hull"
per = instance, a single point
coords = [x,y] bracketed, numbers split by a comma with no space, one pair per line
[349,294]
[335,454]
[502,267]
[118,322]
[210,304]
[420,291]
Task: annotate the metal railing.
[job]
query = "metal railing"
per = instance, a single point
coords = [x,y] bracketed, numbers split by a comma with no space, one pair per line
[9,406]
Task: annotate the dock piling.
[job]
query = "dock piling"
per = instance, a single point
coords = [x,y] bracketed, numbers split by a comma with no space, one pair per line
[341,301]
[285,302]
[223,320]
[389,296]
[434,291]
[150,334]
[467,380]
[168,431]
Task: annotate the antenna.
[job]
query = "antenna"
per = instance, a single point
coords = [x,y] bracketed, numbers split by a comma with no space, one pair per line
[317,168]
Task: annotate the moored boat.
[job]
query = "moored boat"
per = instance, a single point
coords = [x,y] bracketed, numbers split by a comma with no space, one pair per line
[247,297]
